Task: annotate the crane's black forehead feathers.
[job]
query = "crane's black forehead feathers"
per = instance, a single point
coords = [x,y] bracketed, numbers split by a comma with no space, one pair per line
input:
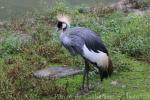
[59,24]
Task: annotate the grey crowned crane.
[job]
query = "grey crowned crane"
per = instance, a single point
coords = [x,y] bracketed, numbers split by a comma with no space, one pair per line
[84,42]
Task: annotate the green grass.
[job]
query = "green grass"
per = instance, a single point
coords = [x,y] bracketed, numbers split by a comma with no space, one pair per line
[126,37]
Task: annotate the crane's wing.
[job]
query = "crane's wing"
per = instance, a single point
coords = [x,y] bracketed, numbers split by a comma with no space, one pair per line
[89,38]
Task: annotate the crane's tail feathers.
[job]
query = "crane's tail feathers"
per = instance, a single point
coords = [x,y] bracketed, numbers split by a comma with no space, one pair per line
[105,73]
[64,18]
[110,67]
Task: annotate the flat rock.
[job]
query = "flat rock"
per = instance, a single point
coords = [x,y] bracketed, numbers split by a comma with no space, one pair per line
[56,72]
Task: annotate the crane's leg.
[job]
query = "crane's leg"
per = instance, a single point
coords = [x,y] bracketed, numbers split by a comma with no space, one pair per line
[100,74]
[85,74]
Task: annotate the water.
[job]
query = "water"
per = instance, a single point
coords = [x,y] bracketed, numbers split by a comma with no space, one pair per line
[18,8]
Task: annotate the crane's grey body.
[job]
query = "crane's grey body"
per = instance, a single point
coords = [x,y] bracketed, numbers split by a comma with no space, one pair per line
[74,39]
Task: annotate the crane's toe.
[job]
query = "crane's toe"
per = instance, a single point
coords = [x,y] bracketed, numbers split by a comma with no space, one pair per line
[87,87]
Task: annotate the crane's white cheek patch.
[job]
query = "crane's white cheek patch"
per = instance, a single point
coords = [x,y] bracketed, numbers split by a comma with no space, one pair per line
[64,25]
[101,58]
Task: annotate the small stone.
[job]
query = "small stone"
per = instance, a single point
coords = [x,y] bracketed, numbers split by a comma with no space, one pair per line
[123,86]
[2,7]
[1,23]
[114,83]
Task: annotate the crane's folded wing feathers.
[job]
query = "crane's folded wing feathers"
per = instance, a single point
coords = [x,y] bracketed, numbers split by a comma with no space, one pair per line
[80,36]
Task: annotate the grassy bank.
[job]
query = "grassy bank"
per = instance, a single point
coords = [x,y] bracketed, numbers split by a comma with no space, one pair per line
[126,36]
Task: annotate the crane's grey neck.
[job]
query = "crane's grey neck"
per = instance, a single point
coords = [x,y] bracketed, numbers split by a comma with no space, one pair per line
[64,33]
[64,38]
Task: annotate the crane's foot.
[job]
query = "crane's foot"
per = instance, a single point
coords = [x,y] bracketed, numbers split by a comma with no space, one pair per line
[90,87]
[87,87]
[85,90]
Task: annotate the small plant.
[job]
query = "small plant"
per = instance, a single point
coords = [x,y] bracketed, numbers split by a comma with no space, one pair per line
[10,45]
[140,3]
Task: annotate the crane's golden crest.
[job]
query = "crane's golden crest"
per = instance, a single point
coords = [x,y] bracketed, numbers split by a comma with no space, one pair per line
[63,18]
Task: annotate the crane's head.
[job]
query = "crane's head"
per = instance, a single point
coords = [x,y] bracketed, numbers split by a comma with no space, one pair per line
[63,22]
